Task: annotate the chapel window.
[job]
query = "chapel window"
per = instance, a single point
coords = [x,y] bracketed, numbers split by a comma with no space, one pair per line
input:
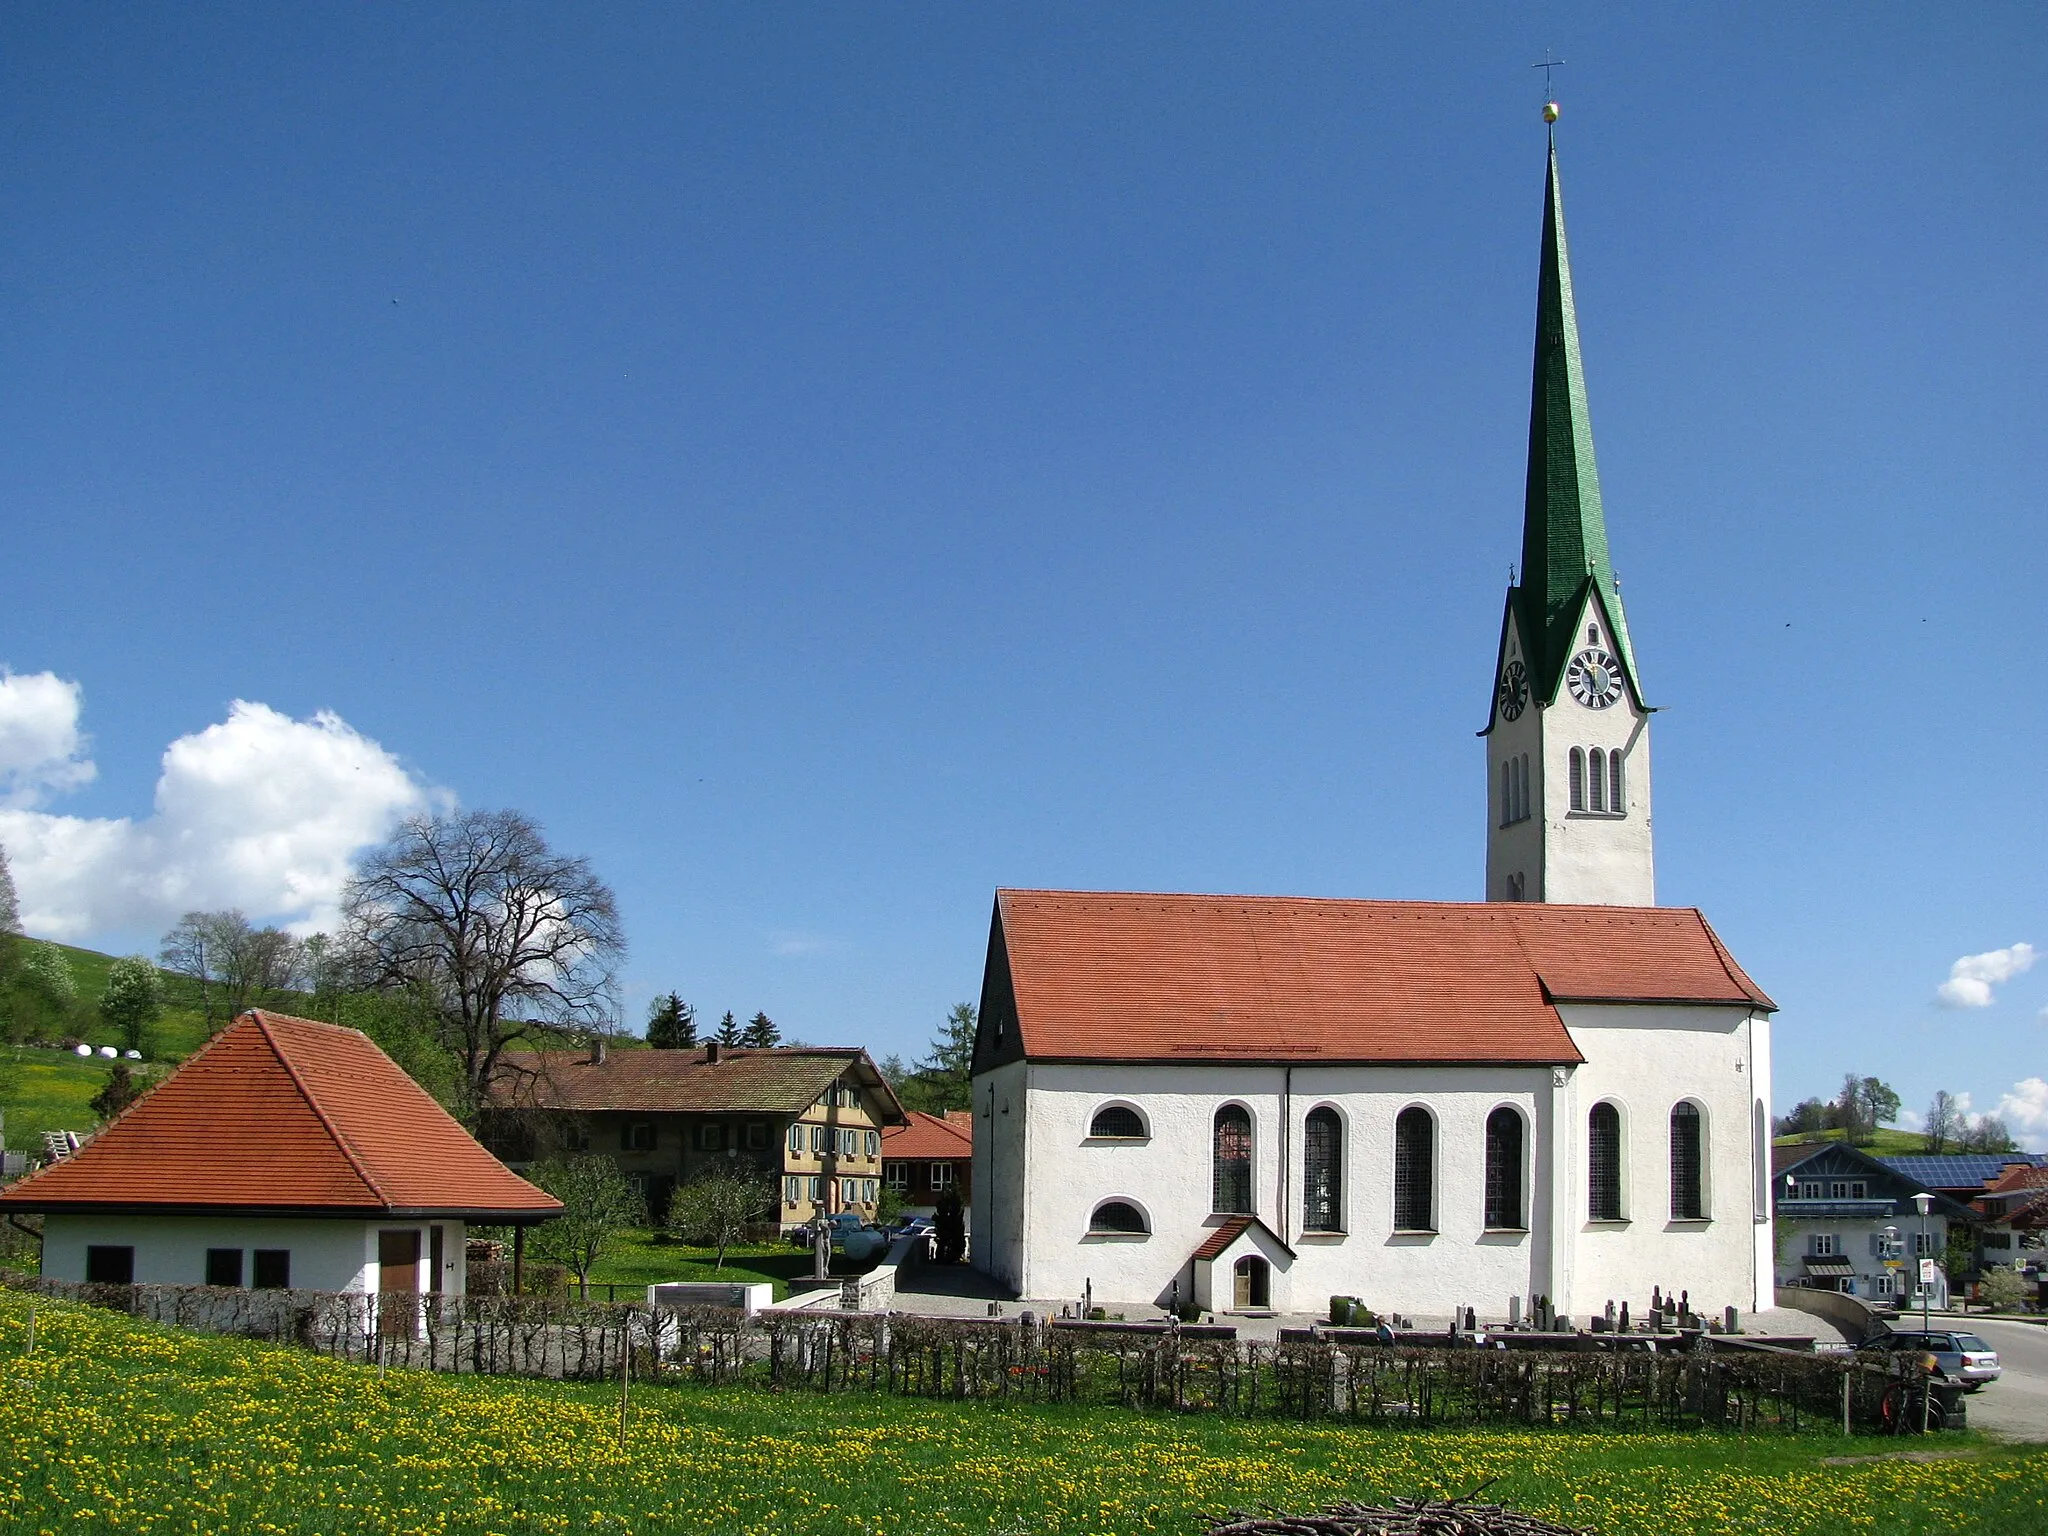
[1117,1122]
[1322,1172]
[1119,1217]
[1231,1183]
[1507,792]
[1615,803]
[1504,1169]
[1688,1202]
[1596,781]
[1603,1163]
[1414,1171]
[1578,779]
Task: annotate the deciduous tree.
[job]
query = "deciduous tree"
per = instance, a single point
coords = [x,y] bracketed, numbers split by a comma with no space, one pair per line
[1943,1119]
[224,949]
[477,911]
[597,1204]
[716,1208]
[133,1000]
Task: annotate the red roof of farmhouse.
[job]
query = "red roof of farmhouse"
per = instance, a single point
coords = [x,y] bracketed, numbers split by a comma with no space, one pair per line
[279,1115]
[1104,976]
[933,1137]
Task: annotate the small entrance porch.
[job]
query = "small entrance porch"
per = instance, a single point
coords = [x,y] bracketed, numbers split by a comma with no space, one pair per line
[1242,1267]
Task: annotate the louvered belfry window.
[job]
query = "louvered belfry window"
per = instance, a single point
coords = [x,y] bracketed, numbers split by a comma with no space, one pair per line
[1603,1163]
[1322,1172]
[1232,1182]
[1504,1169]
[1414,1172]
[1687,1197]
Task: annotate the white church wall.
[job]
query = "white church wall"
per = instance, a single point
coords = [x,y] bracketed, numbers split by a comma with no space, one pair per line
[1168,1176]
[1645,1060]
[996,1219]
[1590,856]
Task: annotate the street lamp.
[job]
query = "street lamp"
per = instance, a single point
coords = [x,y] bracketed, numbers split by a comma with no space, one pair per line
[1923,1202]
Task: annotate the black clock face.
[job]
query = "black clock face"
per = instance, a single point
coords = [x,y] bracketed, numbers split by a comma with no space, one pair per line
[1594,678]
[1514,691]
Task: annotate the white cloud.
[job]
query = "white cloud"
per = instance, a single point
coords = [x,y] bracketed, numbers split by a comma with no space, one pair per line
[260,811]
[2024,1109]
[42,752]
[1971,978]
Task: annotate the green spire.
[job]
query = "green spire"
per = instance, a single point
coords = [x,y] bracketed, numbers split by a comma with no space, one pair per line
[1564,532]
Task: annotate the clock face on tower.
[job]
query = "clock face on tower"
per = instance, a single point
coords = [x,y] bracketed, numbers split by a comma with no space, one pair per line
[1514,691]
[1594,678]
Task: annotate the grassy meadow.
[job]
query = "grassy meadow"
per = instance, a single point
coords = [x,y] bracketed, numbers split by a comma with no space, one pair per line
[114,1425]
[635,1258]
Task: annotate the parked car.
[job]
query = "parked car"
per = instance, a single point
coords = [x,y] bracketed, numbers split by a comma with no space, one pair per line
[1964,1356]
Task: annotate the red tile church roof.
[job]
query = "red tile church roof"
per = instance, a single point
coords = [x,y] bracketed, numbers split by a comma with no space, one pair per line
[1100,976]
[279,1115]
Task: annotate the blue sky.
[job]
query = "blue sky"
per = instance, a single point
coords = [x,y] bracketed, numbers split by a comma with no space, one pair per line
[827,462]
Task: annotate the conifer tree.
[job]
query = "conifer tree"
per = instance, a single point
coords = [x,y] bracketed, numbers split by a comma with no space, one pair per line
[671,1024]
[761,1032]
[729,1031]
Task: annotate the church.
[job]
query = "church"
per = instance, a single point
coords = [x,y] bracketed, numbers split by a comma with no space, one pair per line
[1251,1103]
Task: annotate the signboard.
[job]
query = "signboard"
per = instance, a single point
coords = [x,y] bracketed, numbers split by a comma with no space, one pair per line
[1927,1271]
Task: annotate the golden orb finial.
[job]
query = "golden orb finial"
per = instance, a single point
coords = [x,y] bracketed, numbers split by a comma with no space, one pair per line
[1550,110]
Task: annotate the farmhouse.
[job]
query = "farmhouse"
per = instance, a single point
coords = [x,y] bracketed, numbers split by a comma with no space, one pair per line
[1259,1102]
[809,1119]
[929,1157]
[284,1153]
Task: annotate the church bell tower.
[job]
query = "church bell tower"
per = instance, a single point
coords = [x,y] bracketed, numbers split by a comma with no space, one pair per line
[1568,742]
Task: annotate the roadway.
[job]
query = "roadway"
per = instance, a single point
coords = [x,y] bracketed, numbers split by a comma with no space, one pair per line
[2016,1405]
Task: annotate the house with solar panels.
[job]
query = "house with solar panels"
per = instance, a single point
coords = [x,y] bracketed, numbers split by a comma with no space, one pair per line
[1847,1221]
[285,1153]
[1560,1091]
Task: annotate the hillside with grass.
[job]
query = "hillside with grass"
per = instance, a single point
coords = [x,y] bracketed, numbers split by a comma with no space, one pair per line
[1885,1141]
[117,1425]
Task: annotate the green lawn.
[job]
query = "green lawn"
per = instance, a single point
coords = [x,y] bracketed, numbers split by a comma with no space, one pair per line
[114,1425]
[50,1093]
[1886,1142]
[634,1258]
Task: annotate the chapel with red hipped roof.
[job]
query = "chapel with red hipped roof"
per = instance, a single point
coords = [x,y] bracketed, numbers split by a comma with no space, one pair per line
[1255,1103]
[284,1153]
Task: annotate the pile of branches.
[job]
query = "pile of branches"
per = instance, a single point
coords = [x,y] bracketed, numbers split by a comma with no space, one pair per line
[1404,1517]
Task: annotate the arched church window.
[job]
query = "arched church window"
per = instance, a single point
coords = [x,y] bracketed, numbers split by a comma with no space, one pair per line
[1603,1163]
[1614,801]
[1322,1172]
[1117,1122]
[1507,793]
[1414,1171]
[1592,634]
[1688,1201]
[1231,1180]
[1504,1169]
[1596,781]
[1578,776]
[1118,1216]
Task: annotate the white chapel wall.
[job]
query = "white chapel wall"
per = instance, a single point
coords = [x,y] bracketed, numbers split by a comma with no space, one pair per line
[1645,1060]
[1168,1177]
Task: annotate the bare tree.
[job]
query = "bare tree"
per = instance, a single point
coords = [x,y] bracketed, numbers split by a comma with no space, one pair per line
[475,910]
[249,963]
[1943,1121]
